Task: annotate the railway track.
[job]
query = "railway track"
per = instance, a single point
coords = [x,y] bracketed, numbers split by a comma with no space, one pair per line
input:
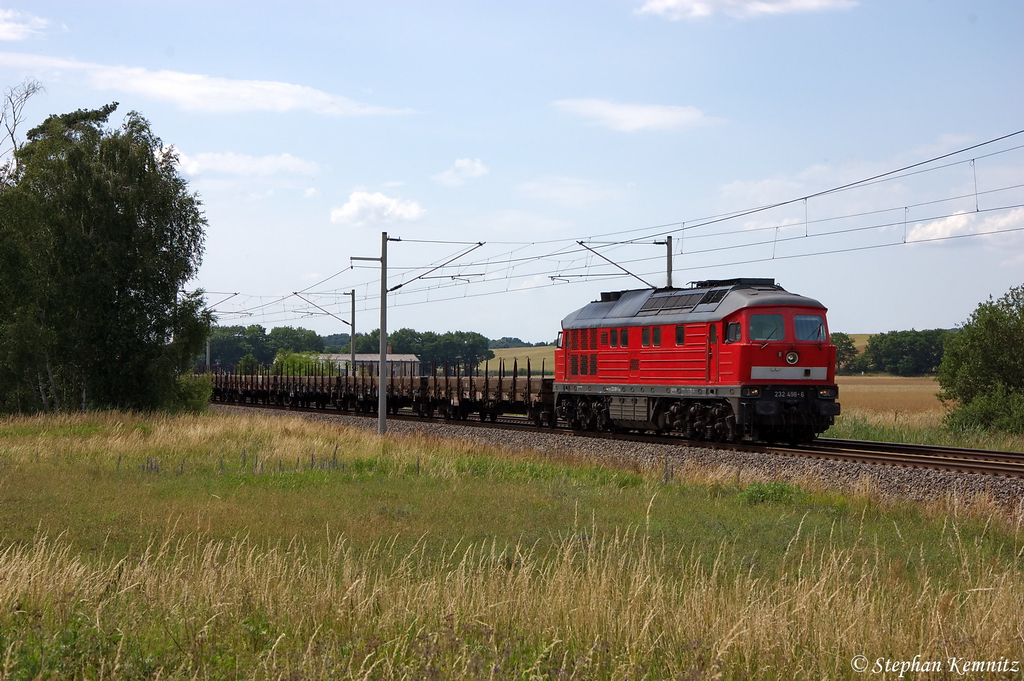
[959,460]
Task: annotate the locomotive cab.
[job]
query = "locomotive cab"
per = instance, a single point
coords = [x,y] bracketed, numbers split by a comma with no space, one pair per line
[785,366]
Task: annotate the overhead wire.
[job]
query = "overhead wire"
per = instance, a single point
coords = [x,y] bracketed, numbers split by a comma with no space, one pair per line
[564,260]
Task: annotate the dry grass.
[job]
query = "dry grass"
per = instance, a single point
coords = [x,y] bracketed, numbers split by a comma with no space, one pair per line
[860,341]
[538,356]
[892,400]
[604,606]
[886,394]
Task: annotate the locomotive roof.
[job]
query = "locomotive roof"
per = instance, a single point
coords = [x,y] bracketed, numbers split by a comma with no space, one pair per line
[704,301]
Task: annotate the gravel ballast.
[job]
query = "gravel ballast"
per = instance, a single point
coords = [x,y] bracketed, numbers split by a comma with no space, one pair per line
[884,481]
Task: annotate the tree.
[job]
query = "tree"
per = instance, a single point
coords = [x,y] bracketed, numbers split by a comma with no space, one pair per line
[11,110]
[508,342]
[464,349]
[294,340]
[982,369]
[906,353]
[100,234]
[335,342]
[845,350]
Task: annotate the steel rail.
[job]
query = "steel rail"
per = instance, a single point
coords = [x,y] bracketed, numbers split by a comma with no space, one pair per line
[952,459]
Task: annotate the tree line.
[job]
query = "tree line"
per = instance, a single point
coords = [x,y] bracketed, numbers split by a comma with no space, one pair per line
[900,353]
[253,345]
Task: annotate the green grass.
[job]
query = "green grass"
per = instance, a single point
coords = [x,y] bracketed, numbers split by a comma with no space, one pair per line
[858,427]
[247,547]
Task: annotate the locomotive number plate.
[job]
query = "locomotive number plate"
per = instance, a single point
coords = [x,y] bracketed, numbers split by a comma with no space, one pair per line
[788,394]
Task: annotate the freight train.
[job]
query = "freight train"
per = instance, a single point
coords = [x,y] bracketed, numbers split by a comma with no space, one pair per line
[722,360]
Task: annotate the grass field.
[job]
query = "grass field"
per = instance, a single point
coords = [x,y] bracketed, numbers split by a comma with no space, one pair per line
[538,356]
[892,397]
[251,547]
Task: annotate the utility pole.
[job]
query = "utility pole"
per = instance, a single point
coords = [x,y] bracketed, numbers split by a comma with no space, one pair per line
[382,373]
[352,340]
[668,265]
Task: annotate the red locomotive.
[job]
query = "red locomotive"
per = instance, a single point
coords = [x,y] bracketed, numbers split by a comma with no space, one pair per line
[728,360]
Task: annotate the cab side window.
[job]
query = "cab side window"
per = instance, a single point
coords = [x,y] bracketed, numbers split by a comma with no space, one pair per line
[733,332]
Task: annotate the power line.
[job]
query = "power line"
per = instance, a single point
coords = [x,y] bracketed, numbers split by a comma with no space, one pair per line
[571,259]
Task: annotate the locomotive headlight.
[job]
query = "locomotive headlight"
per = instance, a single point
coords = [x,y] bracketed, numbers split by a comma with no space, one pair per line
[792,357]
[751,392]
[828,393]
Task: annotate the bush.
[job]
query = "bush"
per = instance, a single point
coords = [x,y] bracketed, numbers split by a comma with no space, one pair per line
[999,410]
[982,370]
[191,394]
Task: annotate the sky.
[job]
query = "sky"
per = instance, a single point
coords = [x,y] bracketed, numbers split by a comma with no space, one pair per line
[860,152]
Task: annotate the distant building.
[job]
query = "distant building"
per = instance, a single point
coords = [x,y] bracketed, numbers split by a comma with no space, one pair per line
[366,364]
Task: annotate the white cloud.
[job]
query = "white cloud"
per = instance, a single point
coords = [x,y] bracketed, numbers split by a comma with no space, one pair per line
[633,117]
[364,207]
[197,92]
[463,169]
[966,224]
[242,164]
[675,10]
[311,192]
[571,191]
[15,25]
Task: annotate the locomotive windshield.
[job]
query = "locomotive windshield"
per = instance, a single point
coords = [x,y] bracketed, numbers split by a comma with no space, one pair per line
[765,327]
[809,327]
